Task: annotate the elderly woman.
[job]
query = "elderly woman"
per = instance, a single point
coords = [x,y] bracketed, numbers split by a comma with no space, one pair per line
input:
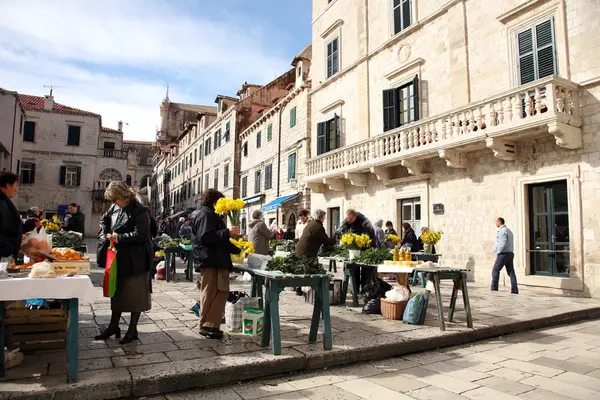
[212,258]
[379,233]
[131,235]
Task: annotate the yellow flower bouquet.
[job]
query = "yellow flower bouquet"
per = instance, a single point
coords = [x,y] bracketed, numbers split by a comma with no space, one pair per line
[431,237]
[231,208]
[393,238]
[52,226]
[246,248]
[355,242]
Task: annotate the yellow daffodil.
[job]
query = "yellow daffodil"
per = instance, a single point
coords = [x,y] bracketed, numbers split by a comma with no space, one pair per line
[431,237]
[392,238]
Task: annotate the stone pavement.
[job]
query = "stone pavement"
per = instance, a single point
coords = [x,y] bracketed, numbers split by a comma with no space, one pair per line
[172,356]
[551,364]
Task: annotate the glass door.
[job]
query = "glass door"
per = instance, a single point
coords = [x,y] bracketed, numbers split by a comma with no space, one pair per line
[334,220]
[549,229]
[410,211]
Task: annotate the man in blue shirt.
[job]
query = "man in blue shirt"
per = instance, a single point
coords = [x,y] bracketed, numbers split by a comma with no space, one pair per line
[504,249]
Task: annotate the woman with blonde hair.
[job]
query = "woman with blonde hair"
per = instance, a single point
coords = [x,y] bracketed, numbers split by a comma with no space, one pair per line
[131,236]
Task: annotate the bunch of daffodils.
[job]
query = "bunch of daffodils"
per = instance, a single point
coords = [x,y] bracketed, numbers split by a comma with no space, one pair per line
[243,245]
[431,237]
[231,208]
[355,242]
[393,238]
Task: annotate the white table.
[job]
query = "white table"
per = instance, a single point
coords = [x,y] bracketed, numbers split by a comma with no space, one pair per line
[69,289]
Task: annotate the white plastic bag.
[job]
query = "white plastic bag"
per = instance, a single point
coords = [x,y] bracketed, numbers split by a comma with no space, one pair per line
[36,242]
[233,312]
[13,358]
[399,293]
[246,277]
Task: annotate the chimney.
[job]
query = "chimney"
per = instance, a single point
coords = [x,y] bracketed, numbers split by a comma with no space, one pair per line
[120,126]
[48,102]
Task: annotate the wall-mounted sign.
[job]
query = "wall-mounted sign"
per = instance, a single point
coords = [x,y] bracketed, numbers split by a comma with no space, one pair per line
[438,209]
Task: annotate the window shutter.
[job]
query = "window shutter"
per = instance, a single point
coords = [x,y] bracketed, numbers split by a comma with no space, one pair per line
[63,175]
[416,98]
[78,176]
[391,112]
[18,167]
[321,137]
[526,57]
[544,33]
[336,132]
[32,175]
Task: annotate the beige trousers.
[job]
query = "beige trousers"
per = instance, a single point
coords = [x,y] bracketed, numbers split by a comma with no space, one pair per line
[214,291]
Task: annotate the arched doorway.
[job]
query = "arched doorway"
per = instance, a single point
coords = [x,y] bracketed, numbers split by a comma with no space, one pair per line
[107,176]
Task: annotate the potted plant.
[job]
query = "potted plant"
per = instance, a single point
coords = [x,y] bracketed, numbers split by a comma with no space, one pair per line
[355,243]
[430,238]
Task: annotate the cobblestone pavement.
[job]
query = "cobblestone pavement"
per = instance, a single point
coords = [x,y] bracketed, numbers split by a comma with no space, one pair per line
[169,344]
[551,364]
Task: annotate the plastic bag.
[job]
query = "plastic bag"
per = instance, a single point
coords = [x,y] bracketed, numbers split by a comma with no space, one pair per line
[36,242]
[160,271]
[246,277]
[414,313]
[399,293]
[4,263]
[13,358]
[42,269]
[372,306]
[109,285]
[234,311]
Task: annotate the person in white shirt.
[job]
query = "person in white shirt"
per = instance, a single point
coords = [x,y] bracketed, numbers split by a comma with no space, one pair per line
[303,216]
[504,249]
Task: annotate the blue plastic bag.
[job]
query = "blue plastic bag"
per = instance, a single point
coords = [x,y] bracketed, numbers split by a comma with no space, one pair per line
[414,313]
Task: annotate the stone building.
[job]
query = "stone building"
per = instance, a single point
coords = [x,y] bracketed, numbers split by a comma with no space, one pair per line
[448,114]
[12,115]
[274,153]
[206,152]
[67,157]
[139,162]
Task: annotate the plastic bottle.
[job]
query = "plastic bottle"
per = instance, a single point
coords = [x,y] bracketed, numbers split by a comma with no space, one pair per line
[396,254]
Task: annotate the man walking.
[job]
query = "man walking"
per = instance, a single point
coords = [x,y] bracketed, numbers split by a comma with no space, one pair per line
[504,249]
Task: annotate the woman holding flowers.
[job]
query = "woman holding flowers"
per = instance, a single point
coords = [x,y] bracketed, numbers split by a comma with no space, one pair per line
[212,258]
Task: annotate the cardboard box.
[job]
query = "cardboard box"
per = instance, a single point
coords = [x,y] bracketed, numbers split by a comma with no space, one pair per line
[252,318]
[76,267]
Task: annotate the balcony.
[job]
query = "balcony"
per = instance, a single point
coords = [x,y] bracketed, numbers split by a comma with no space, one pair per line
[112,153]
[547,106]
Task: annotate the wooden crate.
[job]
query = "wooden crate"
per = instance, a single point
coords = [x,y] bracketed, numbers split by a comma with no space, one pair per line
[35,329]
[72,267]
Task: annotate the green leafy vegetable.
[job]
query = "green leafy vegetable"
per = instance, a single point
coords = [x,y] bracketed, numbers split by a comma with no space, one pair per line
[295,265]
[374,256]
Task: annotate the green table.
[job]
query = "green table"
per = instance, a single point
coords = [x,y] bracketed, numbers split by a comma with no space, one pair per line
[349,274]
[257,284]
[171,254]
[459,278]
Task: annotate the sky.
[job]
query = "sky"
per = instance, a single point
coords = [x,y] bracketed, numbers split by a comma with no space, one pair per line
[116,57]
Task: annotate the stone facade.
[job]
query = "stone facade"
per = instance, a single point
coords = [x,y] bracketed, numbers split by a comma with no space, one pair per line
[482,145]
[139,162]
[12,115]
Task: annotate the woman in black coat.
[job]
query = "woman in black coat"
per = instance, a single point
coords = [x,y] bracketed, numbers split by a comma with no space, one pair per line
[409,237]
[131,235]
[10,221]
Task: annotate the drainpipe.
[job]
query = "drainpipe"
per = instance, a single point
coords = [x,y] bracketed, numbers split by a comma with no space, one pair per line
[279,158]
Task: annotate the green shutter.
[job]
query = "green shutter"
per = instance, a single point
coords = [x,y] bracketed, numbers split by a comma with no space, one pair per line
[416,98]
[391,109]
[321,138]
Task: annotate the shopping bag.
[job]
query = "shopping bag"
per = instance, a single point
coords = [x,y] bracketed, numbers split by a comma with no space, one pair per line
[110,272]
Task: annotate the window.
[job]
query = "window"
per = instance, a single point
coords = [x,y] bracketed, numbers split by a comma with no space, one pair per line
[216,179]
[333,217]
[291,167]
[269,132]
[328,135]
[402,15]
[257,181]
[293,117]
[199,185]
[195,155]
[70,175]
[217,139]
[244,186]
[258,139]
[219,106]
[206,179]
[207,147]
[245,149]
[299,71]
[74,135]
[227,131]
[537,52]
[226,176]
[27,173]
[29,131]
[333,57]
[128,180]
[410,211]
[401,105]
[193,188]
[200,152]
[109,145]
[269,176]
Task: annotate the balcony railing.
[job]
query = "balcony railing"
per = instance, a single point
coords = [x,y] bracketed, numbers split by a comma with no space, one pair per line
[551,103]
[113,153]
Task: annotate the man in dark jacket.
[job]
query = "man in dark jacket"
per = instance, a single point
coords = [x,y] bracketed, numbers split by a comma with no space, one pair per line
[313,237]
[212,258]
[356,222]
[10,221]
[75,220]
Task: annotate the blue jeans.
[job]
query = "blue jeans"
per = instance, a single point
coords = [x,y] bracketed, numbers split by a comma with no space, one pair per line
[505,260]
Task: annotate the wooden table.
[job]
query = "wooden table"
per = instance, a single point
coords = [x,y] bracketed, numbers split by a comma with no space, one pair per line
[275,283]
[402,273]
[459,278]
[68,290]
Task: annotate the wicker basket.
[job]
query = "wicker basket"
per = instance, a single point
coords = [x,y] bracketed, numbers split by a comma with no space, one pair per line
[393,309]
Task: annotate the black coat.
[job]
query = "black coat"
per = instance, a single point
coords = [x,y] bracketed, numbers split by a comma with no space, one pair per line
[360,226]
[76,223]
[410,238]
[210,241]
[134,244]
[105,228]
[10,228]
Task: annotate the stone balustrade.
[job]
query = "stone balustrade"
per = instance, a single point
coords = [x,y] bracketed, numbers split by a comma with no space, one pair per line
[551,103]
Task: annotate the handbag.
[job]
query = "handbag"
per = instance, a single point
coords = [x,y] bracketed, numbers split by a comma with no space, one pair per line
[109,286]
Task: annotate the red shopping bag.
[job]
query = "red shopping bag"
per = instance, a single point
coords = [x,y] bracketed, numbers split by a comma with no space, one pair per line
[110,272]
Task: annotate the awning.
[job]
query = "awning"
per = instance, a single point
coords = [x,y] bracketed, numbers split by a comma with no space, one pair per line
[255,199]
[275,204]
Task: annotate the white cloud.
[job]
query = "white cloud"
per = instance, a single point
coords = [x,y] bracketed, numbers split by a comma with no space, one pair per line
[114,57]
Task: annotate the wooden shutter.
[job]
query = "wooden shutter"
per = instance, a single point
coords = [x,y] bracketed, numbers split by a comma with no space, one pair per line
[391,109]
[544,35]
[18,167]
[78,176]
[321,137]
[416,94]
[336,132]
[63,175]
[526,56]
[32,174]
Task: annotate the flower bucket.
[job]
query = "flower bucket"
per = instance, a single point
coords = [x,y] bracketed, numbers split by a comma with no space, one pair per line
[427,248]
[352,254]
